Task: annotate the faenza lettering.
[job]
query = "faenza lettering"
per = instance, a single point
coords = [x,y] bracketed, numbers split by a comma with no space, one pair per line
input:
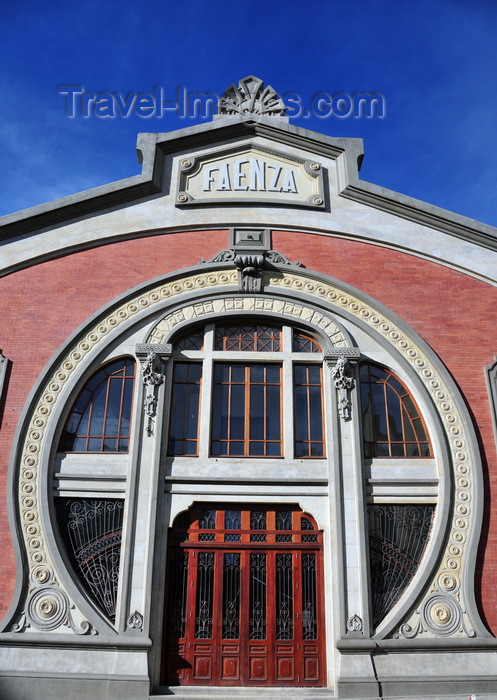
[256,176]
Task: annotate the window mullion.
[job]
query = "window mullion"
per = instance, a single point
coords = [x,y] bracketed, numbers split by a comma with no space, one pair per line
[205,419]
[247,407]
[288,408]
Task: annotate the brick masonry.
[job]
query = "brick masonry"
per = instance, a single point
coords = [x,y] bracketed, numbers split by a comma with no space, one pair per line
[451,311]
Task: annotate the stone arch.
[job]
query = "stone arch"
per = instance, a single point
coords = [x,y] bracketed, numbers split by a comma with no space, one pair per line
[446,608]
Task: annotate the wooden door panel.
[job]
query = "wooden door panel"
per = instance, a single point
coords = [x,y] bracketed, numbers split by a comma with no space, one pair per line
[251,614]
[257,668]
[230,662]
[311,668]
[202,666]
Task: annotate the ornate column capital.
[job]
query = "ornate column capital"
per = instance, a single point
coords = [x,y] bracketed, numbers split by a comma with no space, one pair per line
[340,362]
[153,359]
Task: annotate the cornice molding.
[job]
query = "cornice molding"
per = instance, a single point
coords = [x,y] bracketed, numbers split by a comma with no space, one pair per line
[421,213]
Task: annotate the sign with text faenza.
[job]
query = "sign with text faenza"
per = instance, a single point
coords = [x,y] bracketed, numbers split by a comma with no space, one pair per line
[250,174]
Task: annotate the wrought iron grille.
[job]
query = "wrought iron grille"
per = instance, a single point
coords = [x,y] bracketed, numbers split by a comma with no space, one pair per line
[205,584]
[92,531]
[284,596]
[258,573]
[398,535]
[254,338]
[309,603]
[231,595]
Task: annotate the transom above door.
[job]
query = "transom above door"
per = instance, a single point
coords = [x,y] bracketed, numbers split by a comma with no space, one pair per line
[245,602]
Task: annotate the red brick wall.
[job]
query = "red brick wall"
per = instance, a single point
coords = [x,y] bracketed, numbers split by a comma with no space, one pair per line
[451,311]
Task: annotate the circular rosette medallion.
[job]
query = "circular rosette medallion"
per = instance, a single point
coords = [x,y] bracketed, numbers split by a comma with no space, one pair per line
[441,615]
[47,608]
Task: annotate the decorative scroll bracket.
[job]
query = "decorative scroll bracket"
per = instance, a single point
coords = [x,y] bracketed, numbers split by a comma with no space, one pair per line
[153,359]
[340,361]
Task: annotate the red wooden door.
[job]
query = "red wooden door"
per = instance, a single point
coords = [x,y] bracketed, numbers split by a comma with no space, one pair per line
[245,598]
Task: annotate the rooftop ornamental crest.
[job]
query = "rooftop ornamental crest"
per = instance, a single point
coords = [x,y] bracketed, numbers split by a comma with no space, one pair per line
[251,97]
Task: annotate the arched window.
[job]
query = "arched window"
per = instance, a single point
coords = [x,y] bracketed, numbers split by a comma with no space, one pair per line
[391,422]
[242,367]
[100,418]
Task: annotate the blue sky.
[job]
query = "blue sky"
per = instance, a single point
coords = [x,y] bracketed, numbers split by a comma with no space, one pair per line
[433,61]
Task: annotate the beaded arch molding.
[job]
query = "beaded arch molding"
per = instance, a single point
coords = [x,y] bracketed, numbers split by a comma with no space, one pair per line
[445,609]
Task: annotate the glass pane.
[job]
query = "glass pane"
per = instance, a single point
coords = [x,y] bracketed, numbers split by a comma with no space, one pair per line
[300,374]
[257,410]
[273,421]
[317,449]
[309,607]
[237,406]
[179,400]
[314,374]
[396,385]
[192,406]
[257,519]
[273,374]
[126,407]
[284,596]
[237,449]
[232,520]
[207,519]
[94,445]
[273,449]
[183,429]
[382,449]
[78,445]
[301,414]
[316,419]
[257,603]
[112,418]
[256,449]
[110,445]
[98,410]
[303,343]
[408,427]
[204,603]
[221,373]
[231,596]
[257,373]
[301,449]
[379,417]
[394,419]
[219,449]
[180,372]
[237,373]
[420,431]
[284,520]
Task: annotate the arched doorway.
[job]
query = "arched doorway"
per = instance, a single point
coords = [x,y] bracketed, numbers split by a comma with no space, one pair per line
[245,598]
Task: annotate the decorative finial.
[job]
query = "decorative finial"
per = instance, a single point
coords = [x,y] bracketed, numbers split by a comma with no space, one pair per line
[251,97]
